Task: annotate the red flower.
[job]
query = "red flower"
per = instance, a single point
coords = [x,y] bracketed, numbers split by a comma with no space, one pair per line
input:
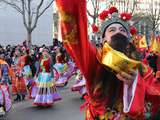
[103,14]
[112,10]
[133,30]
[126,16]
[94,28]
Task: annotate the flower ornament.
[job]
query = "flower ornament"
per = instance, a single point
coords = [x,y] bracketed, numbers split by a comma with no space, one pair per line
[133,30]
[126,16]
[94,28]
[103,15]
[113,13]
[113,10]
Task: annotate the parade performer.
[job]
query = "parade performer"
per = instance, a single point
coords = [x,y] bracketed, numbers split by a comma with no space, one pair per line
[14,68]
[71,67]
[60,57]
[64,69]
[66,73]
[46,93]
[27,75]
[80,84]
[60,69]
[18,82]
[5,76]
[115,91]
[58,66]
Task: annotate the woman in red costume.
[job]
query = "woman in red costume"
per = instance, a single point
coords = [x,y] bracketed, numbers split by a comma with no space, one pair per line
[110,96]
[18,82]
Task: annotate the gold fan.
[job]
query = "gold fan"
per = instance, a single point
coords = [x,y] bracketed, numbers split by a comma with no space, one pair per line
[116,60]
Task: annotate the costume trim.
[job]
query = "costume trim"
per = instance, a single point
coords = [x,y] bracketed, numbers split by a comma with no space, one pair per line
[128,94]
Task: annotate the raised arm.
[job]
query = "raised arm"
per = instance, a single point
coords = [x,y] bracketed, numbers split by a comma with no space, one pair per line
[73,21]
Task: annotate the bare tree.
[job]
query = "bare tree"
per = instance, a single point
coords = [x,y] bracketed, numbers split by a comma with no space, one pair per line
[126,5]
[93,13]
[31,11]
[154,15]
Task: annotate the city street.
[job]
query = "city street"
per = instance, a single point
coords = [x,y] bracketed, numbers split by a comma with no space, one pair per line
[66,109]
[105,51]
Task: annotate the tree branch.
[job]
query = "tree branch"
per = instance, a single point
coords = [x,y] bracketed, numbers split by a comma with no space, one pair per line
[134,6]
[89,14]
[92,3]
[37,14]
[29,14]
[23,14]
[13,5]
[45,8]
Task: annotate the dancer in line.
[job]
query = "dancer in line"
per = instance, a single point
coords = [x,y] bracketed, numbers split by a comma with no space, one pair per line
[46,93]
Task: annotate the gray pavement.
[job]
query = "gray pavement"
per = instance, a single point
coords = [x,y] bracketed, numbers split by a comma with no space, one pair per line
[66,109]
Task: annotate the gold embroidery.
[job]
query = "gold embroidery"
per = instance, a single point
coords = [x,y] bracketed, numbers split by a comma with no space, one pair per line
[145,69]
[119,105]
[71,37]
[110,114]
[70,30]
[147,72]
[65,17]
[88,115]
[137,116]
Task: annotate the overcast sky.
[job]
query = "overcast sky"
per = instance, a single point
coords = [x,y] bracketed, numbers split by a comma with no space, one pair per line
[12,30]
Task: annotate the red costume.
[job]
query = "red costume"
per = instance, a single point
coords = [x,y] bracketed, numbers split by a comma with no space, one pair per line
[75,39]
[18,82]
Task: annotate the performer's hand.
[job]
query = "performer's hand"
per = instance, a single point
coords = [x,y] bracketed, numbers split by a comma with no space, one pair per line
[127,78]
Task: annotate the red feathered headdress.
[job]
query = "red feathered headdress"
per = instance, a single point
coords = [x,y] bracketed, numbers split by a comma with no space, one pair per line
[126,16]
[112,10]
[103,14]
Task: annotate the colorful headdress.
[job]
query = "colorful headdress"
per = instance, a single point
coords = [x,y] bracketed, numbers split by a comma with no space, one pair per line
[111,16]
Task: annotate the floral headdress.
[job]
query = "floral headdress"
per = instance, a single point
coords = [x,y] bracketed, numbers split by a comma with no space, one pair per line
[111,16]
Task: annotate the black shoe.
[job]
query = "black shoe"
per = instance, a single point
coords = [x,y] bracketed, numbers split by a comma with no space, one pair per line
[23,97]
[66,83]
[18,98]
[83,96]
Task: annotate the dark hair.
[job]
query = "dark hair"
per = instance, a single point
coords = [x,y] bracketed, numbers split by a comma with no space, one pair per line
[103,34]
[108,86]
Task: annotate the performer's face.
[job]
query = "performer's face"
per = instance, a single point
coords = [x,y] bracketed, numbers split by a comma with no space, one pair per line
[44,55]
[17,53]
[114,29]
[117,37]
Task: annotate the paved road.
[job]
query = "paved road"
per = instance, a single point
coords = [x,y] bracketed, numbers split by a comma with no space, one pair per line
[66,109]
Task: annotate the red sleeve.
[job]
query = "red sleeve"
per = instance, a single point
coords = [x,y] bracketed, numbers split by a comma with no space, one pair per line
[75,37]
[152,86]
[144,88]
[152,91]
[46,65]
